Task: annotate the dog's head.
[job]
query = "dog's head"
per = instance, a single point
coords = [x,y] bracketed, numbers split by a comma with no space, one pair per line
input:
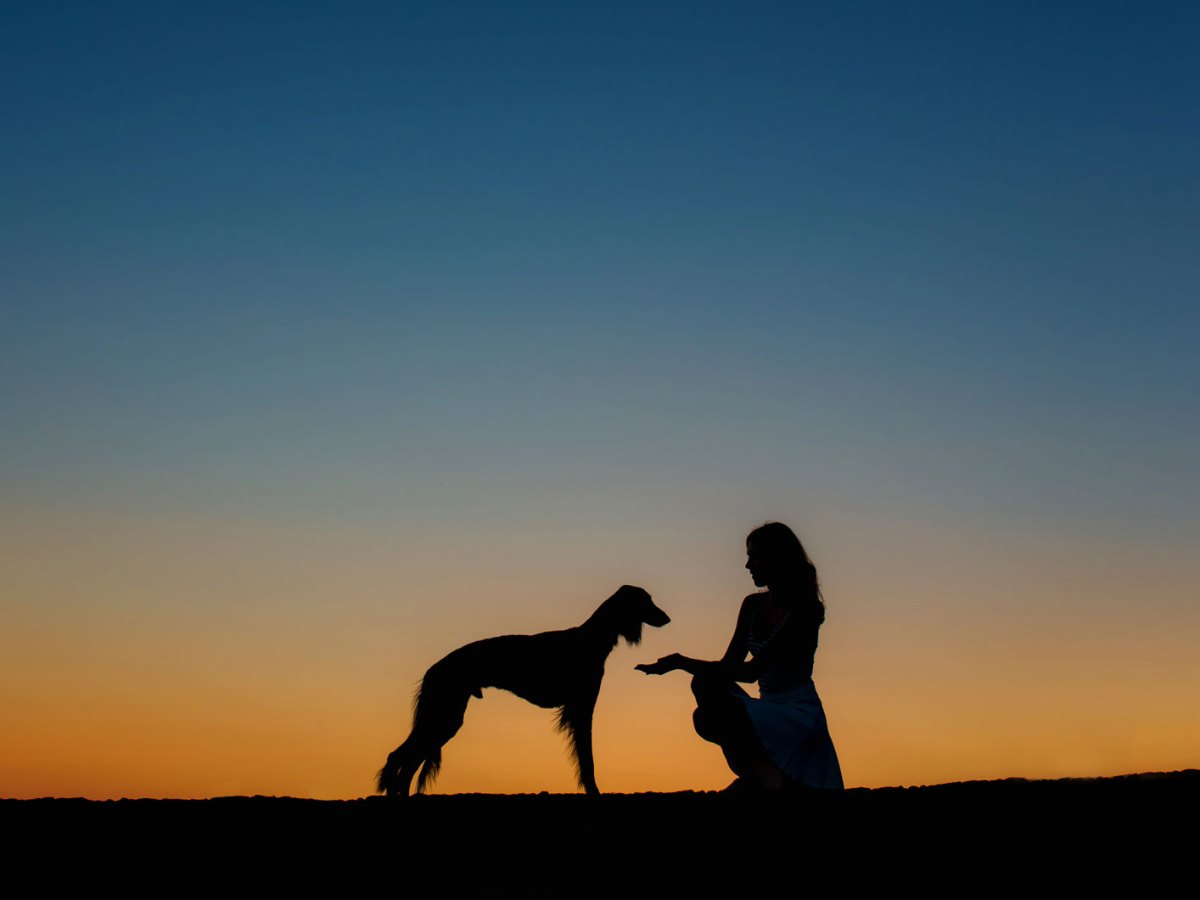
[631,608]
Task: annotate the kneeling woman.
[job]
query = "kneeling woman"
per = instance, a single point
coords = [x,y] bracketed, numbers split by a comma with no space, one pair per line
[781,738]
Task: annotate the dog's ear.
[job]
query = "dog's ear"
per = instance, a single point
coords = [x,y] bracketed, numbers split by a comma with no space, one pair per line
[631,630]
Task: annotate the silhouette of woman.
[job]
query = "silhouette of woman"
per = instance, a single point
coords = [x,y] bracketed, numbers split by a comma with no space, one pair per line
[779,739]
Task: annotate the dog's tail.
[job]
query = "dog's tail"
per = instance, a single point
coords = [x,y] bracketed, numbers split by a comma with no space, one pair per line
[389,775]
[386,781]
[386,777]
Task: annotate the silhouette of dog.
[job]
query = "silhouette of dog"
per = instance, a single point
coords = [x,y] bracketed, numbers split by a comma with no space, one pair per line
[560,669]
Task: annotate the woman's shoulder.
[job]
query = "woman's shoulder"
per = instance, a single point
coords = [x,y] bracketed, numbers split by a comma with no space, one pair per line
[750,609]
[753,601]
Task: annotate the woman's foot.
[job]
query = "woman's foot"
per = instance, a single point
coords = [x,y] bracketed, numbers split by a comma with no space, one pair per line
[742,786]
[770,778]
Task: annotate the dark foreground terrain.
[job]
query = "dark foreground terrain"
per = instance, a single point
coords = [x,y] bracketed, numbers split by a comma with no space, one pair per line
[1136,831]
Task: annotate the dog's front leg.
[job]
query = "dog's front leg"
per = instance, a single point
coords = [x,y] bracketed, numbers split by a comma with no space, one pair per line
[578,720]
[587,766]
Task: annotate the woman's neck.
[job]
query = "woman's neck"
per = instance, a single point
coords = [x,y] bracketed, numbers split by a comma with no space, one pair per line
[784,594]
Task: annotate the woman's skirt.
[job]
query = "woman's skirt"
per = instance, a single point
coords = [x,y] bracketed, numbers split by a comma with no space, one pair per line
[791,725]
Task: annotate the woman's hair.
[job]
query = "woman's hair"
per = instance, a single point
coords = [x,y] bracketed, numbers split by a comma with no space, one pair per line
[776,540]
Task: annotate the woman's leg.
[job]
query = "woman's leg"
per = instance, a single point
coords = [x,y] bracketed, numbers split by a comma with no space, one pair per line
[721,718]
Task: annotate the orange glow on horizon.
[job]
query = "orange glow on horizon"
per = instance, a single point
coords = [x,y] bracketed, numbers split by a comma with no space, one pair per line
[157,661]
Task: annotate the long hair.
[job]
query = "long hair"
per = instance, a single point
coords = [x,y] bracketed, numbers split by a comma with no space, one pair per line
[777,541]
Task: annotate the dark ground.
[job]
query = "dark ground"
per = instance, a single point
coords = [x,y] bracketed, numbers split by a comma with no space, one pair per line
[1136,831]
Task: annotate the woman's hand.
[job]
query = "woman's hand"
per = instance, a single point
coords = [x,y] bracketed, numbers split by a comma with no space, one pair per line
[663,666]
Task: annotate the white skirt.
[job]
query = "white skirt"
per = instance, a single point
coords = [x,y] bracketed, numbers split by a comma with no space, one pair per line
[791,725]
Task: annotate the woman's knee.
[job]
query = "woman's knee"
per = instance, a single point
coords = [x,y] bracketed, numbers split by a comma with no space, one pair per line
[707,687]
[707,725]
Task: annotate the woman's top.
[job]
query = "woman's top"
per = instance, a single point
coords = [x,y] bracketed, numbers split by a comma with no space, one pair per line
[792,664]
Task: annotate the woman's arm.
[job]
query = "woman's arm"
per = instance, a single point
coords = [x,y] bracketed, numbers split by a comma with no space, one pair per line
[731,665]
[673,662]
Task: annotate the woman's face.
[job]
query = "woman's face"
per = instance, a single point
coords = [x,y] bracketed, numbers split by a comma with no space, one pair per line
[761,568]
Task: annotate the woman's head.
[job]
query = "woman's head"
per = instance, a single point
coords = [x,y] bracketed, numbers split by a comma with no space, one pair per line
[776,558]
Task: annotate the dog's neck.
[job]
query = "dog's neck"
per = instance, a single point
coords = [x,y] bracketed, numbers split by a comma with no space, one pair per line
[605,629]
[601,629]
[600,632]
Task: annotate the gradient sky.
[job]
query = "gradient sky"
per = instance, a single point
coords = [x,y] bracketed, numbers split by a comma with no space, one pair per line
[332,338]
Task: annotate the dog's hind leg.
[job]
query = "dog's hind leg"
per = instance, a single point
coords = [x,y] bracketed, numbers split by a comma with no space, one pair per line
[397,773]
[437,718]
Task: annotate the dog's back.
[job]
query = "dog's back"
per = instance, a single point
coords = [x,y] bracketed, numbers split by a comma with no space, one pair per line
[546,669]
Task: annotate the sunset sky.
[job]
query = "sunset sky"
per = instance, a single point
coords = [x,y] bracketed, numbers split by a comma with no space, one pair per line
[335,337]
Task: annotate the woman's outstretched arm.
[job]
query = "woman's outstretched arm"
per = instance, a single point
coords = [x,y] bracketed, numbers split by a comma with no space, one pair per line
[731,665]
